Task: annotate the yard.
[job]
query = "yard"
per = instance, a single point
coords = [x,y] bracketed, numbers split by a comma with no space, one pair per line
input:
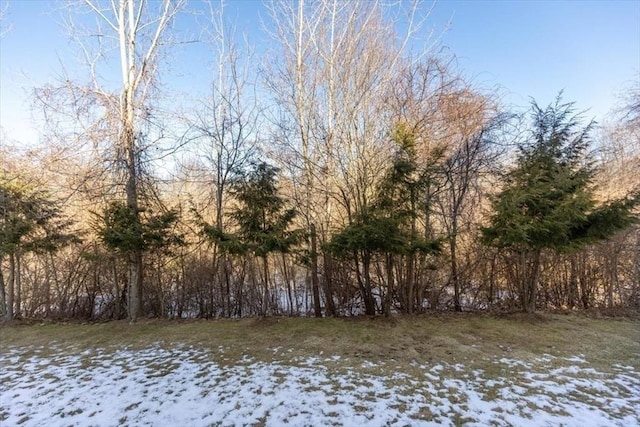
[472,369]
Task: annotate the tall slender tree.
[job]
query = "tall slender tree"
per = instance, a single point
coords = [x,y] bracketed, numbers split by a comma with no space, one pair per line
[387,227]
[225,130]
[137,30]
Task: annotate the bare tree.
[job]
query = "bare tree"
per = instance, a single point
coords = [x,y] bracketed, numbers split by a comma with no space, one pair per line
[225,128]
[4,8]
[137,30]
[630,111]
[617,177]
[472,122]
[422,101]
[339,61]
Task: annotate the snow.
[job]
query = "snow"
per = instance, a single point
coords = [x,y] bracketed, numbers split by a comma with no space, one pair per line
[157,386]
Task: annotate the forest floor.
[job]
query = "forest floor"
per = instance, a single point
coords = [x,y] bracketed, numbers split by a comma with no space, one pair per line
[469,369]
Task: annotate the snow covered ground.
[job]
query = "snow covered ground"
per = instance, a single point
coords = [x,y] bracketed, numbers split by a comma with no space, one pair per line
[186,386]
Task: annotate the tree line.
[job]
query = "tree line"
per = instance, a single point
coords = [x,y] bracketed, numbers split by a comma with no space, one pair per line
[345,174]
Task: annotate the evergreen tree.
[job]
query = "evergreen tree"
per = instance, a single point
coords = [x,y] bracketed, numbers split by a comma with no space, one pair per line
[120,230]
[124,233]
[388,227]
[263,220]
[547,200]
[30,221]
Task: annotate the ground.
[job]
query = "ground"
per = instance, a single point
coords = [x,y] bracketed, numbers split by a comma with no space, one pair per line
[435,370]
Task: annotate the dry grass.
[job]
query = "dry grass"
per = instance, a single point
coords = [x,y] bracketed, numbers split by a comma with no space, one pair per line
[466,338]
[411,364]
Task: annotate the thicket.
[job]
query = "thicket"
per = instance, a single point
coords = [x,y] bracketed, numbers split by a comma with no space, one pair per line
[367,180]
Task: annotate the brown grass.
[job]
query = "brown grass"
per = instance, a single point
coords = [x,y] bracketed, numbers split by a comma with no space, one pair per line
[464,338]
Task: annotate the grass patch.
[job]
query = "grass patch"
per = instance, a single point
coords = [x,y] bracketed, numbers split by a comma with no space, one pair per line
[450,338]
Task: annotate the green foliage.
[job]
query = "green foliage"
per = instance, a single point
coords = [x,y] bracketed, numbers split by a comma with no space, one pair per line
[228,242]
[547,200]
[121,229]
[29,219]
[385,227]
[262,216]
[606,220]
[159,231]
[402,190]
[374,232]
[369,233]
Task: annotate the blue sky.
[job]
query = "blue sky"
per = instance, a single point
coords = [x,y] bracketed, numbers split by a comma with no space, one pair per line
[591,49]
[522,49]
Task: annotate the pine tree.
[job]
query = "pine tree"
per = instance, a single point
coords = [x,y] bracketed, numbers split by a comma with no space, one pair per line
[263,219]
[30,221]
[388,226]
[124,233]
[547,200]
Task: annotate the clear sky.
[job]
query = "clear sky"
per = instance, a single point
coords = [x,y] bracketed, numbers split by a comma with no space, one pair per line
[591,49]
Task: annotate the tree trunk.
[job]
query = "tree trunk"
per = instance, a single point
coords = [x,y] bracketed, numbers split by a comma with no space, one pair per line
[573,282]
[131,189]
[288,282]
[265,299]
[360,280]
[129,145]
[314,272]
[369,303]
[531,282]
[524,280]
[117,300]
[329,305]
[239,291]
[492,281]
[613,271]
[388,297]
[3,297]
[135,284]
[219,277]
[410,283]
[11,286]
[48,263]
[586,289]
[454,270]
[227,284]
[18,284]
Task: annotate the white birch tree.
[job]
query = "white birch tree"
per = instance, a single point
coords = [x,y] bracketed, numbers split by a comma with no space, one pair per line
[127,35]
